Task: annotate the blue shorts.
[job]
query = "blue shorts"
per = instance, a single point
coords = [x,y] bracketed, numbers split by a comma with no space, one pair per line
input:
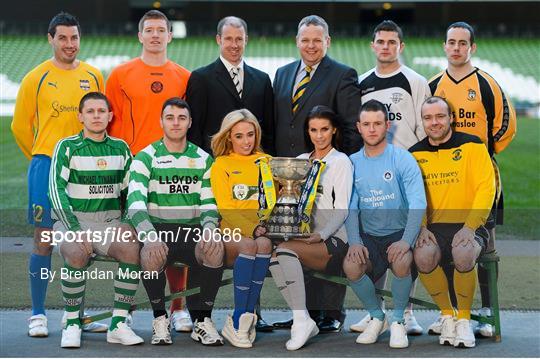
[39,206]
[377,246]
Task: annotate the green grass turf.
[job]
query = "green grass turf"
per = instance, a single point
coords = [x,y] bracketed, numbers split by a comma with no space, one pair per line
[520,168]
[519,286]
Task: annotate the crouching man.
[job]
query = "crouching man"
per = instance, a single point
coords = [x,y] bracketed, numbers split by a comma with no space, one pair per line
[89,175]
[460,187]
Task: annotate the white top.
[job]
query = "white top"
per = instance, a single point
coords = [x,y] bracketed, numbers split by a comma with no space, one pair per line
[402,92]
[333,195]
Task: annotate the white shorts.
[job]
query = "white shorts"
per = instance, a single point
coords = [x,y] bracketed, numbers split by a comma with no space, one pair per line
[102,234]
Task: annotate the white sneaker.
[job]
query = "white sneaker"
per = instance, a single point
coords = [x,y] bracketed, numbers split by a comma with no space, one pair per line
[448,330]
[94,327]
[484,329]
[238,338]
[372,332]
[301,332]
[123,335]
[37,326]
[464,334]
[252,333]
[205,332]
[436,327]
[181,321]
[71,337]
[398,336]
[411,325]
[361,325]
[161,331]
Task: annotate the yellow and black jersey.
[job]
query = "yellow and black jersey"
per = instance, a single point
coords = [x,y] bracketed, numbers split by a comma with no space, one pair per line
[459,180]
[480,107]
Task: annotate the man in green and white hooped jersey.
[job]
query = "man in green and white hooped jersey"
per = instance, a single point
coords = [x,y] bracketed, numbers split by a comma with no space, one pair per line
[89,174]
[172,207]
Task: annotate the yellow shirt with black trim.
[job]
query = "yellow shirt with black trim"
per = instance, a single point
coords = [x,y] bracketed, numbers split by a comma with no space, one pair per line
[480,107]
[48,103]
[459,180]
[235,184]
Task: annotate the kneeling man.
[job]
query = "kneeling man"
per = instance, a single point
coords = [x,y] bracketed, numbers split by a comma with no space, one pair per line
[389,197]
[460,186]
[89,175]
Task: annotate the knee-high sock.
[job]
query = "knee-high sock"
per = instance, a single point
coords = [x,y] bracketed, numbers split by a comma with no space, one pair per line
[464,285]
[242,273]
[279,279]
[38,286]
[365,291]
[260,268]
[155,289]
[125,286]
[294,279]
[209,279]
[401,287]
[177,279]
[436,285]
[380,284]
[73,289]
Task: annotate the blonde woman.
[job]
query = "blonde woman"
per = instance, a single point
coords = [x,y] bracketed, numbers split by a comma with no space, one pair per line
[234,178]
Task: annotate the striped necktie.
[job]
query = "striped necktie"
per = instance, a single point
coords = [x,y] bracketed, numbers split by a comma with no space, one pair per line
[236,80]
[300,89]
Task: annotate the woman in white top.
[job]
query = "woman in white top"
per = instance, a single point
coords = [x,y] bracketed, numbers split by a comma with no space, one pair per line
[326,245]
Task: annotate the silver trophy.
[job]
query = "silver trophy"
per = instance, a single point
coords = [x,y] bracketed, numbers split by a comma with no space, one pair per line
[284,221]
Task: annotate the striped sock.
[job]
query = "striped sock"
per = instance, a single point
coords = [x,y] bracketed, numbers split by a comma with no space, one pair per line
[73,289]
[124,291]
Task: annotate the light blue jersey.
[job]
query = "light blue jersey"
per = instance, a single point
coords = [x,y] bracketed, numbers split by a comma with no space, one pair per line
[388,193]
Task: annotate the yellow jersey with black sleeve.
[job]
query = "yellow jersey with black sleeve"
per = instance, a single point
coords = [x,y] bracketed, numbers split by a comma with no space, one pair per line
[480,107]
[48,103]
[459,180]
[235,184]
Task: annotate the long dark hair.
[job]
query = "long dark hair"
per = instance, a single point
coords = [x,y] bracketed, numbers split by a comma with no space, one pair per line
[324,112]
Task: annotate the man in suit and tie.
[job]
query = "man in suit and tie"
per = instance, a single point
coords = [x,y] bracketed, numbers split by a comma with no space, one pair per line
[316,79]
[229,84]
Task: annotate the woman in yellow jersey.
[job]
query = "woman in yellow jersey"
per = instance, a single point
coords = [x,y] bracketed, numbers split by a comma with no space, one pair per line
[326,245]
[234,179]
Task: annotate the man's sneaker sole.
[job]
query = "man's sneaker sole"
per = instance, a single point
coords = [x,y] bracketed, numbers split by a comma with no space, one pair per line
[161,342]
[433,332]
[463,344]
[199,339]
[446,341]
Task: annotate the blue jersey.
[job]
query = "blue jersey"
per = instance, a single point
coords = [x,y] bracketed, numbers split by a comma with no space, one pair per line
[388,193]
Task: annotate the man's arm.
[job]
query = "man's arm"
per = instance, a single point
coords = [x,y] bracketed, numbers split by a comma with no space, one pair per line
[24,117]
[348,102]
[504,121]
[209,212]
[352,224]
[58,181]
[197,98]
[115,96]
[137,198]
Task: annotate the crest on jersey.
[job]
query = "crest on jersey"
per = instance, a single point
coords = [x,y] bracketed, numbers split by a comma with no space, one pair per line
[84,84]
[396,97]
[192,163]
[240,191]
[457,155]
[388,175]
[471,95]
[422,160]
[156,87]
[101,163]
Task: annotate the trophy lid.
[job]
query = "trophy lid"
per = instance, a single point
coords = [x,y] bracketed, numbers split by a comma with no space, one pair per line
[290,168]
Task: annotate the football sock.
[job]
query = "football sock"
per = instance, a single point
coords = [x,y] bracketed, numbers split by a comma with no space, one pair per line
[294,279]
[124,292]
[210,283]
[38,286]
[401,288]
[365,291]
[73,288]
[436,285]
[279,279]
[465,286]
[242,273]
[260,268]
[155,289]
[380,284]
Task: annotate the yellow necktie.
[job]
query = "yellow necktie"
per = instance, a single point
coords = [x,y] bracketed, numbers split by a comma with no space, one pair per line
[301,89]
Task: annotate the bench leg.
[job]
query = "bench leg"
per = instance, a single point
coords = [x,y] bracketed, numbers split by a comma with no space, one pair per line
[494,296]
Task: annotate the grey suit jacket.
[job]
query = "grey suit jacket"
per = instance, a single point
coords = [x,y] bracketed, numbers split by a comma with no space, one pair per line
[334,85]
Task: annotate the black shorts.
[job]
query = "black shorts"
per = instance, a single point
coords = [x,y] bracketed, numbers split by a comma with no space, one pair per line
[338,250]
[181,241]
[444,233]
[377,246]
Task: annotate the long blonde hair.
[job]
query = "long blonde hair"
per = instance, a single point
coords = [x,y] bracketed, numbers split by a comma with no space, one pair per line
[221,144]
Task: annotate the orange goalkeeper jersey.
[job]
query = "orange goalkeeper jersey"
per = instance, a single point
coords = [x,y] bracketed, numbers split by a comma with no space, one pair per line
[137,92]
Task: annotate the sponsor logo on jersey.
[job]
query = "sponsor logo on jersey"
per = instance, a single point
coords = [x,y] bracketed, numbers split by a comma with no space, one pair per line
[396,97]
[240,191]
[164,162]
[101,163]
[58,109]
[156,73]
[368,90]
[471,95]
[457,155]
[84,84]
[388,175]
[156,87]
[236,172]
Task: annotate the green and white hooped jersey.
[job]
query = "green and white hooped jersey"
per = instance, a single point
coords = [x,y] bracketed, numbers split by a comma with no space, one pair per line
[87,179]
[167,187]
